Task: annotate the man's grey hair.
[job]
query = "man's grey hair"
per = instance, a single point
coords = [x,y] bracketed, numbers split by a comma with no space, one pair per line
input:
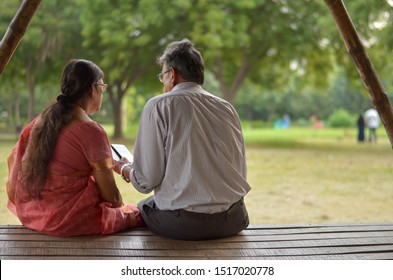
[185,59]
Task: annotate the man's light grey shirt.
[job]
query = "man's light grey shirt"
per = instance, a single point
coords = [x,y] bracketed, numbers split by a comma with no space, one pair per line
[190,150]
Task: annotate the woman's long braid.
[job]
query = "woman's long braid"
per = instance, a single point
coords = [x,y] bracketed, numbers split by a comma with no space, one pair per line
[76,81]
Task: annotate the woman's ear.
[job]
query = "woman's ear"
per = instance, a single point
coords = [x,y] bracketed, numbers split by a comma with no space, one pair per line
[94,90]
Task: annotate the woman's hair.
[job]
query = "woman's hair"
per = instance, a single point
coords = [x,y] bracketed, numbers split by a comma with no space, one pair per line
[76,81]
[185,59]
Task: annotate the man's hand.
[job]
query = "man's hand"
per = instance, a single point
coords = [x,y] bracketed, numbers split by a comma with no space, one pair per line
[119,164]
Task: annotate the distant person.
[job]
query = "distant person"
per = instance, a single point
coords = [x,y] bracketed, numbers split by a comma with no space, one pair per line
[190,151]
[286,121]
[361,126]
[61,179]
[372,122]
[318,124]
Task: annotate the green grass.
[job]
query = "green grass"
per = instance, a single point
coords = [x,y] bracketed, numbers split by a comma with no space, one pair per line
[297,175]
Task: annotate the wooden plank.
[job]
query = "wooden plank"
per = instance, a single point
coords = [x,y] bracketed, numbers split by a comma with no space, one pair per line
[336,241]
[240,238]
[243,240]
[264,226]
[250,231]
[330,225]
[267,226]
[153,245]
[200,254]
[351,226]
[367,256]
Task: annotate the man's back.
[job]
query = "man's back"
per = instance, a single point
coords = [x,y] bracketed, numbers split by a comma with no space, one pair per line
[372,118]
[190,151]
[205,166]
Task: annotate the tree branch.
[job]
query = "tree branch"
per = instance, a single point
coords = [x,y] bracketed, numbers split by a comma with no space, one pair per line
[363,64]
[240,76]
[16,30]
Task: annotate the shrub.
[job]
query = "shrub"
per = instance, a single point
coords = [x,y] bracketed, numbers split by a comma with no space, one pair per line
[341,118]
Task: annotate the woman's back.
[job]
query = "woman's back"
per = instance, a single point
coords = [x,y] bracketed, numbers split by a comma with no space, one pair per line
[70,203]
[61,178]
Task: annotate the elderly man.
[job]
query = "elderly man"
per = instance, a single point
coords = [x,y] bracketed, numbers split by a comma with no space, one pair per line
[190,151]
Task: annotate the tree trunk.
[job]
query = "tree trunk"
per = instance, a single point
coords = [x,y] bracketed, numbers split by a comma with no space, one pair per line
[30,79]
[116,97]
[117,114]
[228,90]
[18,122]
[16,30]
[363,64]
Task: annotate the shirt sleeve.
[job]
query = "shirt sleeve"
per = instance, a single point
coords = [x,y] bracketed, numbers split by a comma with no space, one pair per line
[149,153]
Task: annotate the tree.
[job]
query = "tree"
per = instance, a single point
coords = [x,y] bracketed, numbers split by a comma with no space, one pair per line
[285,47]
[125,43]
[10,95]
[252,39]
[41,51]
[345,94]
[363,64]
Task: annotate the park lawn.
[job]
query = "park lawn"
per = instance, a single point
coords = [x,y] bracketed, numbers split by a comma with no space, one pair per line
[297,175]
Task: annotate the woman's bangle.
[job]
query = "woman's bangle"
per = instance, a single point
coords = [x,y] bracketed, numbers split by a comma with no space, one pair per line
[121,172]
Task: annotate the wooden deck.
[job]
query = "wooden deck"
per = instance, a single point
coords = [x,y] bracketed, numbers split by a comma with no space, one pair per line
[368,241]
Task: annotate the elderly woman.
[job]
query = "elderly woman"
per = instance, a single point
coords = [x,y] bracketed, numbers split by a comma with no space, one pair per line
[61,179]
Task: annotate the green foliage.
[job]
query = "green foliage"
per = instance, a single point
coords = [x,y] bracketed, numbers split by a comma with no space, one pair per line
[341,118]
[347,94]
[268,57]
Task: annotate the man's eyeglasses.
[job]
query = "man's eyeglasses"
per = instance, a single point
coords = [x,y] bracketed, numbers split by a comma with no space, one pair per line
[161,75]
[103,86]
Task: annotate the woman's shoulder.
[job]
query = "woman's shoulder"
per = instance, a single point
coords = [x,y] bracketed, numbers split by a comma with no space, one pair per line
[91,137]
[86,127]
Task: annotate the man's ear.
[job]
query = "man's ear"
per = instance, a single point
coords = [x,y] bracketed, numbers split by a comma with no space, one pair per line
[174,77]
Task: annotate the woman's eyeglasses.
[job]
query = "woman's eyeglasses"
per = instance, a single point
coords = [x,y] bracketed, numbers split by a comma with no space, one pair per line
[103,86]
